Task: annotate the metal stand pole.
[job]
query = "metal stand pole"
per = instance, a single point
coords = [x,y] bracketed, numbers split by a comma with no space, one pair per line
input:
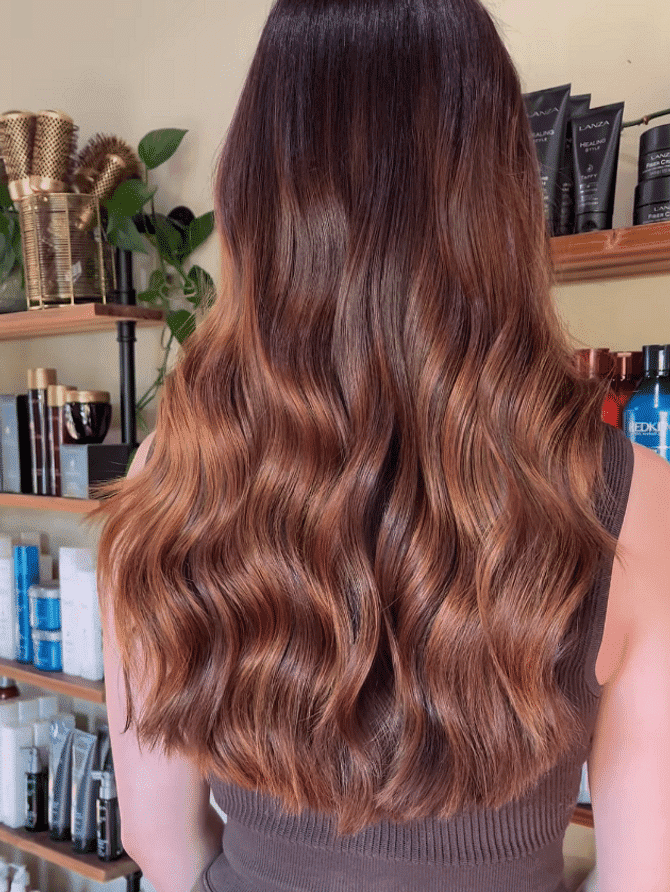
[126,337]
[133,881]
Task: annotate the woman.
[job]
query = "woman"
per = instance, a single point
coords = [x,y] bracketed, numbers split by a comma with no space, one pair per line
[359,587]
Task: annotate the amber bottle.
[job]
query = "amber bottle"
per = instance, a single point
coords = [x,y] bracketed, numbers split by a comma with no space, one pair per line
[627,376]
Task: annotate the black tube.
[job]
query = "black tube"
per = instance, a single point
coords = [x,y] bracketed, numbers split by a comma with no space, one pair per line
[126,338]
[596,136]
[548,114]
[565,220]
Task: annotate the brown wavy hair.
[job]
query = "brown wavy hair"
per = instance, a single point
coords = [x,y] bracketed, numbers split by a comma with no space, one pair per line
[351,567]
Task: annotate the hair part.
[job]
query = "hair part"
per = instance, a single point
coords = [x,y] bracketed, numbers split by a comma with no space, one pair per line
[352,566]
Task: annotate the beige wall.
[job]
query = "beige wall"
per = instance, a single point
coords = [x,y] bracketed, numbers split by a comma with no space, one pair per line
[129,66]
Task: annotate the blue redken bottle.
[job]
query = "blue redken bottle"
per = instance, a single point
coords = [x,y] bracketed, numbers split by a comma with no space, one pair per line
[646,417]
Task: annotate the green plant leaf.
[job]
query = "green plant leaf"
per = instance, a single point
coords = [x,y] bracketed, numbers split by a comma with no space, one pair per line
[159,145]
[181,323]
[157,280]
[203,286]
[129,198]
[7,260]
[6,228]
[169,240]
[122,232]
[16,241]
[149,296]
[5,197]
[199,230]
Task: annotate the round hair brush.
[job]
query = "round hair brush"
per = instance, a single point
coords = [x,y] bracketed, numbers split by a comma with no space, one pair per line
[17,135]
[103,163]
[53,152]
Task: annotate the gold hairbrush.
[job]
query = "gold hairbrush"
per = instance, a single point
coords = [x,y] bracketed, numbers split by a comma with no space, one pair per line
[104,163]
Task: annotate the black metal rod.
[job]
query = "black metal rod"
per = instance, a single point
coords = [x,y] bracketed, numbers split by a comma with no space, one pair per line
[133,881]
[126,294]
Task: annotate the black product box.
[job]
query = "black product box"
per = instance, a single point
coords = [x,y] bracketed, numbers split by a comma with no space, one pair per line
[15,443]
[82,466]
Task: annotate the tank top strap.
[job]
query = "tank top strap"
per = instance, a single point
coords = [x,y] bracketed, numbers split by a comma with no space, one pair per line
[611,507]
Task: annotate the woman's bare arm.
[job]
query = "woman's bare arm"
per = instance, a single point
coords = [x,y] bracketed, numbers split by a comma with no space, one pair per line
[168,825]
[629,765]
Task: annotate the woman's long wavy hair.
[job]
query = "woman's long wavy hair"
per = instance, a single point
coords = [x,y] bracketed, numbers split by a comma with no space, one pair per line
[350,569]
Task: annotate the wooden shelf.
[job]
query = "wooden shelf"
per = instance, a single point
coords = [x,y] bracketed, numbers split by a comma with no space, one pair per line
[47,503]
[61,853]
[58,682]
[612,253]
[583,815]
[77,319]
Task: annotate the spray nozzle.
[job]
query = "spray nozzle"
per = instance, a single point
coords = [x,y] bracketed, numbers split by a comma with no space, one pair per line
[107,783]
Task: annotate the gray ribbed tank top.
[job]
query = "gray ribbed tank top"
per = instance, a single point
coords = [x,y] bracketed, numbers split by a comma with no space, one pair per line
[518,848]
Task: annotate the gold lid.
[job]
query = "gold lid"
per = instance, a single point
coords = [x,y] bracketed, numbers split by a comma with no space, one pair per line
[31,379]
[56,394]
[44,377]
[87,396]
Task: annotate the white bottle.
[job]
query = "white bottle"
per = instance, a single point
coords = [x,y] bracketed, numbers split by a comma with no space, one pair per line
[20,880]
[70,561]
[13,739]
[80,614]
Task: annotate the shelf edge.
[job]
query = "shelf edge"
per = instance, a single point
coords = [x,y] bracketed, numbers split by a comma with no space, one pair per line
[58,682]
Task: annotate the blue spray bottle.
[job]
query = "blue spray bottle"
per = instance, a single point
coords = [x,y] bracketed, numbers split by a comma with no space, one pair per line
[646,417]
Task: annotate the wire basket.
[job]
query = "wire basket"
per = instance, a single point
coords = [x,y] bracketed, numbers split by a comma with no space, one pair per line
[66,259]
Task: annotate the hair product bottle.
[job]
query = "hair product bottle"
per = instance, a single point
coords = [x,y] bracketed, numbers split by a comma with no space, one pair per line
[36,793]
[108,817]
[628,372]
[646,416]
[595,362]
[38,384]
[55,401]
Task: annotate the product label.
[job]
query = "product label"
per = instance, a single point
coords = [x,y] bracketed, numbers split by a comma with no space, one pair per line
[658,212]
[650,428]
[543,136]
[656,165]
[595,126]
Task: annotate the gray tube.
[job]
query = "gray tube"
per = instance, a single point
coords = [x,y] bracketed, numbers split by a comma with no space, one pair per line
[565,219]
[84,791]
[596,138]
[60,776]
[104,748]
[548,114]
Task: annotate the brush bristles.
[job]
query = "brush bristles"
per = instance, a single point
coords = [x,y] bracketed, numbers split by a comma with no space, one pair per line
[99,147]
